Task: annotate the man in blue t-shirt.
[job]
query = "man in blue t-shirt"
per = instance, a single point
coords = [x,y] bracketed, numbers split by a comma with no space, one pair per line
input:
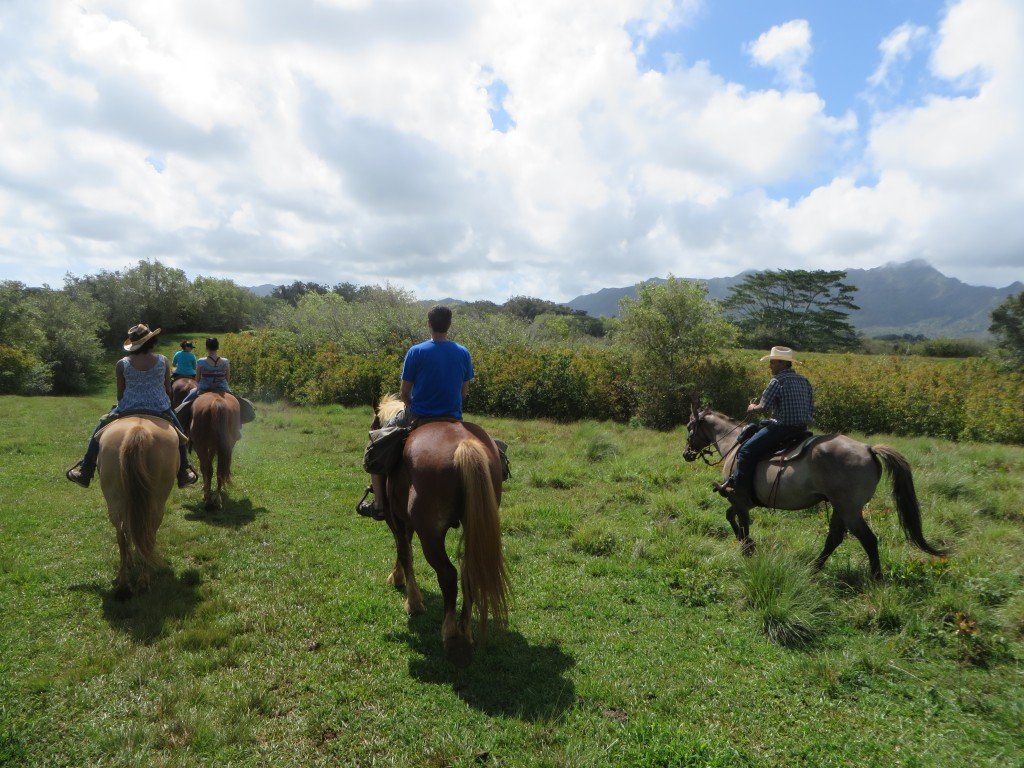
[435,380]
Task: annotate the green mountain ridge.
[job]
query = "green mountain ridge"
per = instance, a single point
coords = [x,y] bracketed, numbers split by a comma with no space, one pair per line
[911,297]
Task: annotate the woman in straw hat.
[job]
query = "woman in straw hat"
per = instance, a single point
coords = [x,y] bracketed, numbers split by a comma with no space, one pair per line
[143,386]
[790,398]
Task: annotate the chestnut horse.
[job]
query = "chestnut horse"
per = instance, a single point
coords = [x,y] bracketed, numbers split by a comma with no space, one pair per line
[450,474]
[138,463]
[214,430]
[180,387]
[834,468]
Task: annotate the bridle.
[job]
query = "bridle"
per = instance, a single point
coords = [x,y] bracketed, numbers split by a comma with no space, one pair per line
[705,453]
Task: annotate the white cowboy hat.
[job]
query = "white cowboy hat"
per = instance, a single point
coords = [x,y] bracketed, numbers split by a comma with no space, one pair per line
[139,335]
[780,353]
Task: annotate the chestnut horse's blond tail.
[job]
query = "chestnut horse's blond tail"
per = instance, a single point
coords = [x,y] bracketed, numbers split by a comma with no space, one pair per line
[137,482]
[484,577]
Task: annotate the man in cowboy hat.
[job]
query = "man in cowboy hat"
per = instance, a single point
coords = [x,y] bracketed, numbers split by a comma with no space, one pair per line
[791,400]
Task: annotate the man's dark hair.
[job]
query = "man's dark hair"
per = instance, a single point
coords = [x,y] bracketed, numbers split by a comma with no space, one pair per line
[440,318]
[212,344]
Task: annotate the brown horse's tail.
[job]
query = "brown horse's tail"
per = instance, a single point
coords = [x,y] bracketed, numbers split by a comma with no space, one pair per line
[484,578]
[225,432]
[137,482]
[213,430]
[907,508]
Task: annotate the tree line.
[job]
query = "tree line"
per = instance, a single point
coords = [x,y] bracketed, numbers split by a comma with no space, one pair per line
[58,340]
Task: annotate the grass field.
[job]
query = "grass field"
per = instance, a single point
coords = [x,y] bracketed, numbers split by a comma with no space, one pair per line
[639,635]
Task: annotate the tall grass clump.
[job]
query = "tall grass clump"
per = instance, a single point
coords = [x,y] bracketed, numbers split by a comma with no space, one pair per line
[793,608]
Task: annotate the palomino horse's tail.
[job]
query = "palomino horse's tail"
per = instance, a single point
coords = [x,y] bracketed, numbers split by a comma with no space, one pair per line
[907,507]
[140,520]
[484,578]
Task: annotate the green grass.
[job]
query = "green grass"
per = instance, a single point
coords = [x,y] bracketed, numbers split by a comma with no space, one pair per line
[639,634]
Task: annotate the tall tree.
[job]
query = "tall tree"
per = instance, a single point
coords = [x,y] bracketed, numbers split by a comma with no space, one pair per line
[669,331]
[292,293]
[1008,328]
[799,308]
[149,292]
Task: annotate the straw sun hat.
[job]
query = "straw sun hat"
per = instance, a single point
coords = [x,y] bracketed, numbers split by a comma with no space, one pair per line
[780,353]
[139,335]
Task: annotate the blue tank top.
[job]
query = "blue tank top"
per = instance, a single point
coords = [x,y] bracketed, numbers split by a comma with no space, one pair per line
[144,390]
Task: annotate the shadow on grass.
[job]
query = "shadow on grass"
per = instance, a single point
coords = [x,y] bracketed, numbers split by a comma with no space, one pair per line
[234,514]
[143,616]
[508,676]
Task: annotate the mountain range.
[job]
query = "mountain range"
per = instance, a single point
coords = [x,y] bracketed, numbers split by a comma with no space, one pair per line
[912,297]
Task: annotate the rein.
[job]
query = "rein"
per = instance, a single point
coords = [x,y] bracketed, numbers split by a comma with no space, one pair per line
[705,452]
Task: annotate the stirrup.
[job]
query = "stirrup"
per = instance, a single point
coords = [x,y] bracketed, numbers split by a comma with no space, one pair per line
[77,478]
[368,508]
[187,478]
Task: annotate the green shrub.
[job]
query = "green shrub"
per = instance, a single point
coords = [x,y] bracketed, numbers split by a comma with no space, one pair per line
[21,373]
[793,608]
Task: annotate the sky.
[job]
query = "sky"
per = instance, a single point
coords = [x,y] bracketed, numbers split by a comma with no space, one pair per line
[483,149]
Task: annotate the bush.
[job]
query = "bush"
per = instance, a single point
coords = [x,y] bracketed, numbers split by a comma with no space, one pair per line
[21,373]
[792,607]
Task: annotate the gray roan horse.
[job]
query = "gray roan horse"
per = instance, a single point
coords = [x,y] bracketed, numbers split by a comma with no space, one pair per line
[834,468]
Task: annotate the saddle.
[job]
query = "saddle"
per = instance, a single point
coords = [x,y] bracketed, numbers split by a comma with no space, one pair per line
[790,449]
[384,450]
[246,410]
[110,418]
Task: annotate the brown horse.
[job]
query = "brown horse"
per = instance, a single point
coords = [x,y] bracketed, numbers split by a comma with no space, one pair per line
[138,462]
[214,431]
[450,474]
[180,387]
[834,468]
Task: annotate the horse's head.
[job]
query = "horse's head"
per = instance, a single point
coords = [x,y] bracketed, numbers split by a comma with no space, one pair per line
[699,436]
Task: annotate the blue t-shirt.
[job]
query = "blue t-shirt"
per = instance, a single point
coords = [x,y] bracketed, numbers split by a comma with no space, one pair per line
[437,370]
[184,363]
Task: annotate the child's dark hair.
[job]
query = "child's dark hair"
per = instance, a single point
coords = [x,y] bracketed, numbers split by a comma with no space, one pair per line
[212,344]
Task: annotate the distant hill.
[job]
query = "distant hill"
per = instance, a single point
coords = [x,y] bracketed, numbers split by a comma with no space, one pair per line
[912,297]
[262,290]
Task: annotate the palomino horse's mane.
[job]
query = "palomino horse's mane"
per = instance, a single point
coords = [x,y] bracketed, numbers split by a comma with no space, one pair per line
[389,407]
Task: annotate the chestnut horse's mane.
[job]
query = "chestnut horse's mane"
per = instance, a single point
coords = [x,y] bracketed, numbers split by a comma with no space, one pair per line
[389,407]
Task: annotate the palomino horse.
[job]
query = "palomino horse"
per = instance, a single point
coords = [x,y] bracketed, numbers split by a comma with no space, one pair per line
[138,463]
[834,468]
[450,474]
[181,387]
[214,431]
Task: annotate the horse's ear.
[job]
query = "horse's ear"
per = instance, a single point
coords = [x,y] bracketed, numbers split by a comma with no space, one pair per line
[693,410]
[375,400]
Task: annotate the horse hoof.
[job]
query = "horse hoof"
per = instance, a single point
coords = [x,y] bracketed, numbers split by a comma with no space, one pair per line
[122,593]
[398,582]
[413,608]
[459,650]
[748,547]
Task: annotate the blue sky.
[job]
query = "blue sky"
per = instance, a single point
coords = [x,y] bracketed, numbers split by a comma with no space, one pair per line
[483,149]
[845,38]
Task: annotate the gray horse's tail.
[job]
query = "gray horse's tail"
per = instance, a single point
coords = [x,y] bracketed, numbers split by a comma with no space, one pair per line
[907,508]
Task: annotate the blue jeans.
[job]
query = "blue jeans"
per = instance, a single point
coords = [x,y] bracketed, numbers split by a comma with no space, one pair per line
[92,453]
[761,444]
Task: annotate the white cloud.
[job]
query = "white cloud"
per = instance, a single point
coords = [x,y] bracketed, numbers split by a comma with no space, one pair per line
[786,48]
[344,140]
[896,48]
